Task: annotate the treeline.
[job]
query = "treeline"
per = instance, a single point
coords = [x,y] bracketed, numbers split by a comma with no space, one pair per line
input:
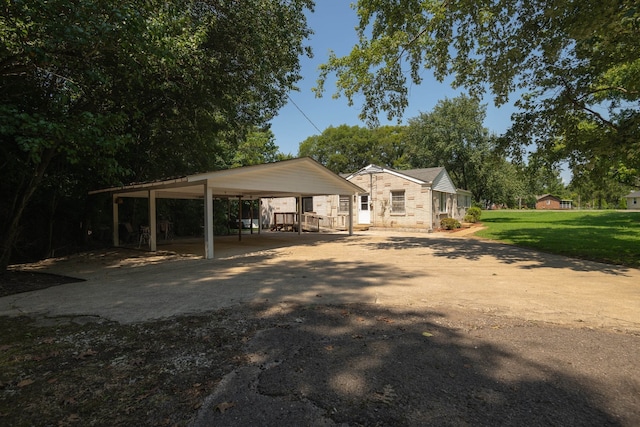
[453,135]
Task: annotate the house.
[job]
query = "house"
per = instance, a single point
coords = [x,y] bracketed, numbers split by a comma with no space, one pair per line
[415,199]
[548,201]
[633,200]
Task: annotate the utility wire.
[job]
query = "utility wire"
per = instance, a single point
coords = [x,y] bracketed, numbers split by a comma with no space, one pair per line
[305,116]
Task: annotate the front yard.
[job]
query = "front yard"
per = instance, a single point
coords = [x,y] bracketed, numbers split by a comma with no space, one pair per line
[607,236]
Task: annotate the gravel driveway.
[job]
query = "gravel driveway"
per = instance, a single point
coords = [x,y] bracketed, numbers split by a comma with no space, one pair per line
[382,329]
[390,270]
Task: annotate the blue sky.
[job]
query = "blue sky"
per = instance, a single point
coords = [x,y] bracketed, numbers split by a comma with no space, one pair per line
[333,23]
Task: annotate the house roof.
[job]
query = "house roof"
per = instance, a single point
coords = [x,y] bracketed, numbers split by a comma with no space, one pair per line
[296,177]
[547,196]
[425,174]
[422,176]
[437,178]
[633,194]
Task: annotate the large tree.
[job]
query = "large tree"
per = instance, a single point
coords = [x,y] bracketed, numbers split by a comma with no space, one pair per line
[453,135]
[96,92]
[345,149]
[574,67]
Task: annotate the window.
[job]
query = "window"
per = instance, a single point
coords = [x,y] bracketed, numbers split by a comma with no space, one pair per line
[443,202]
[307,204]
[364,202]
[344,204]
[397,202]
[464,201]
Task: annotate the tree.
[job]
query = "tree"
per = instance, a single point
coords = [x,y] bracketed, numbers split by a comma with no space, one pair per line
[346,149]
[540,178]
[259,147]
[453,136]
[606,192]
[134,90]
[502,183]
[575,64]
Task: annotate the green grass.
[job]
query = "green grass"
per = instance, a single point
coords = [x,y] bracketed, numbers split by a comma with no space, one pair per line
[607,236]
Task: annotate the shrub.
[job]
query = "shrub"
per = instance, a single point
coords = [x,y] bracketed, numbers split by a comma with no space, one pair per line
[449,223]
[473,214]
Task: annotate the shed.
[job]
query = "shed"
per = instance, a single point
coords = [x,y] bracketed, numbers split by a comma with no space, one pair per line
[633,200]
[548,201]
[299,178]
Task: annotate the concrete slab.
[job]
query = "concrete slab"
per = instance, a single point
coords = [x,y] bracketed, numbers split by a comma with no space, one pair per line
[390,269]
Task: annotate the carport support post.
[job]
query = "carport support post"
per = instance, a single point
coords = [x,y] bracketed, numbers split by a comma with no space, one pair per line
[239,218]
[351,215]
[208,221]
[152,220]
[116,221]
[251,205]
[259,202]
[299,214]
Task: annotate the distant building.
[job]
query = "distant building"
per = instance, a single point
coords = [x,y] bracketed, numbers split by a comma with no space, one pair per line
[633,200]
[548,201]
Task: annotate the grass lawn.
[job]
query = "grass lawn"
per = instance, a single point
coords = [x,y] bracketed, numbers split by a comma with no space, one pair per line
[607,236]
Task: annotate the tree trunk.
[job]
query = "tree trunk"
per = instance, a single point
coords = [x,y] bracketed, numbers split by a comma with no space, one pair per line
[11,230]
[50,251]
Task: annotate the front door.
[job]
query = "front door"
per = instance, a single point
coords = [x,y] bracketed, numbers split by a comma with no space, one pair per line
[364,214]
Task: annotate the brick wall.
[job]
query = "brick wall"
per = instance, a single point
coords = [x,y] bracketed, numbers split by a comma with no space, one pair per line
[416,201]
[548,203]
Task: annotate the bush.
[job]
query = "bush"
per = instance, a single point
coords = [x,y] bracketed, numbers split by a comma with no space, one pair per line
[473,214]
[449,223]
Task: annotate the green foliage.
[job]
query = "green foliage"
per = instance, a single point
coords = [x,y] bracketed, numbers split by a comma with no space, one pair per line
[449,223]
[622,203]
[610,237]
[452,135]
[599,192]
[573,69]
[96,93]
[345,149]
[473,214]
[257,148]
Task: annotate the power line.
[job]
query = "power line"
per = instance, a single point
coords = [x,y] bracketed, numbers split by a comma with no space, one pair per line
[305,116]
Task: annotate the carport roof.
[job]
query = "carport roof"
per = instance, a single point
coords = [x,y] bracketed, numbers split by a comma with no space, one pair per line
[296,177]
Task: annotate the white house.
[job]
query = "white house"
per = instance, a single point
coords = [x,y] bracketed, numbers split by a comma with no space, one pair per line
[633,200]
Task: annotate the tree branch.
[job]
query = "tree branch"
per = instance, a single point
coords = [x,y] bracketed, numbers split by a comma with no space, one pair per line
[578,103]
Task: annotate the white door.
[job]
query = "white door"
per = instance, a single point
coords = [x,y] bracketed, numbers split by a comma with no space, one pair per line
[364,214]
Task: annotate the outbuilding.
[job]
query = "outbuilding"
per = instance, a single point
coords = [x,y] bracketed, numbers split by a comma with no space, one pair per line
[548,201]
[633,200]
[298,178]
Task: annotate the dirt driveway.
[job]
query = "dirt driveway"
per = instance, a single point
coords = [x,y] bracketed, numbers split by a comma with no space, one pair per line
[382,329]
[389,270]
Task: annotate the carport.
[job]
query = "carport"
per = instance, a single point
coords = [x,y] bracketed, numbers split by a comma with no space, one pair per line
[302,177]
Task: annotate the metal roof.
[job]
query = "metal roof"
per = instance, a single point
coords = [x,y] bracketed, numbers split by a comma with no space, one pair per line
[296,177]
